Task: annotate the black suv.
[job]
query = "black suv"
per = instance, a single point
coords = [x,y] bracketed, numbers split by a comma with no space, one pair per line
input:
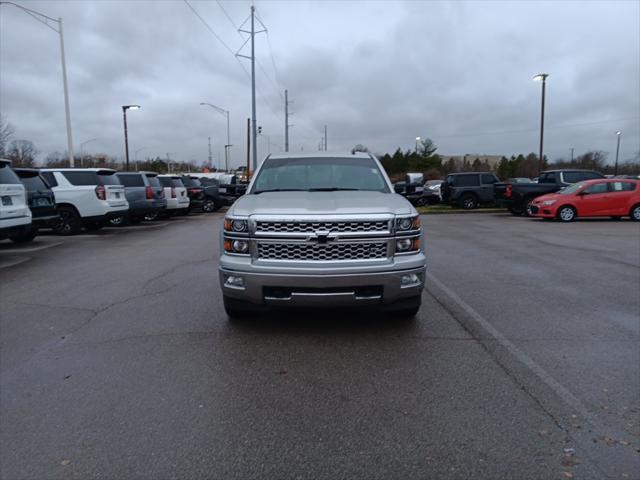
[204,196]
[468,190]
[42,203]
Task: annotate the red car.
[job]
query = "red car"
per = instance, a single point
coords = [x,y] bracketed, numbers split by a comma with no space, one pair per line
[610,197]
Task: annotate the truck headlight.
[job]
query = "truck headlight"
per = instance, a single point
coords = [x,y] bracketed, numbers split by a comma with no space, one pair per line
[405,245]
[404,224]
[236,225]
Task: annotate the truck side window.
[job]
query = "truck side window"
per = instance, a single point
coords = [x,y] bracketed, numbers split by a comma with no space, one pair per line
[51,180]
[467,180]
[488,179]
[547,178]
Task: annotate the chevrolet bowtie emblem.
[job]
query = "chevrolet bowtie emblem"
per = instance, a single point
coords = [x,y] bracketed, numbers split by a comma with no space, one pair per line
[322,236]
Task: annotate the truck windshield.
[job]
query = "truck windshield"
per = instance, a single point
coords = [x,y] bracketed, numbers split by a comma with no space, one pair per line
[319,174]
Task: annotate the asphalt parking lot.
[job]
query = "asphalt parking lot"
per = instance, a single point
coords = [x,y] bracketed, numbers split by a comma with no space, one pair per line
[117,361]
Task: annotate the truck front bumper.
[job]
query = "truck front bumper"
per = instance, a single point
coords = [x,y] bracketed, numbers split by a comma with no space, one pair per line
[315,290]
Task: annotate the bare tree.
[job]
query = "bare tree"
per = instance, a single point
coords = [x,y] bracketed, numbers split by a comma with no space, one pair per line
[6,132]
[22,153]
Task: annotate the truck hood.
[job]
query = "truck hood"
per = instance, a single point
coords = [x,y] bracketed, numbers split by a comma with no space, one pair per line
[319,203]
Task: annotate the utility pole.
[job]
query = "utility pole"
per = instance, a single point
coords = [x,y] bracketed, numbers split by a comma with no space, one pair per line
[572,155]
[248,147]
[286,120]
[254,134]
[168,164]
[325,138]
[252,33]
[615,171]
[210,159]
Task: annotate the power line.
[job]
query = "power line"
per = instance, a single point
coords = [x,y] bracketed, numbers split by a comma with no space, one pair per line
[208,27]
[212,31]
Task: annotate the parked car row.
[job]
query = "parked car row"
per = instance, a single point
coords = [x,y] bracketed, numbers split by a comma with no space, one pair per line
[68,200]
[563,194]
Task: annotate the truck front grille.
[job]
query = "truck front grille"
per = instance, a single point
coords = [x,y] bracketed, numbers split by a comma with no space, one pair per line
[326,251]
[311,227]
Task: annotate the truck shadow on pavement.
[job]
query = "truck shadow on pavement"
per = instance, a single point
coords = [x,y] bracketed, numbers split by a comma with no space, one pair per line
[325,322]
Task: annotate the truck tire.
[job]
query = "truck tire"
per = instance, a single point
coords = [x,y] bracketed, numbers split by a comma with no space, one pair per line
[468,201]
[70,223]
[237,309]
[209,205]
[566,213]
[516,211]
[405,308]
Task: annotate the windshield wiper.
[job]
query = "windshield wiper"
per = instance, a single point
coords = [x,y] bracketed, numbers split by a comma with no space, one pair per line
[280,190]
[332,189]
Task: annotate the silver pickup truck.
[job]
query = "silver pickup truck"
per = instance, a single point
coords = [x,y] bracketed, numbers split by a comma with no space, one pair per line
[321,230]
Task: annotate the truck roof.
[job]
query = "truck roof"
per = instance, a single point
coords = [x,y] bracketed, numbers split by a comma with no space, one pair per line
[320,155]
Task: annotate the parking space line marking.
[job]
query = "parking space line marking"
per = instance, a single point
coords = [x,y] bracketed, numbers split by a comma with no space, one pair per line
[31,249]
[551,382]
[565,395]
[11,261]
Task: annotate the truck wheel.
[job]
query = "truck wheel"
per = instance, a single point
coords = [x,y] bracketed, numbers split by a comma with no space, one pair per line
[150,217]
[635,213]
[25,236]
[237,309]
[516,211]
[405,308]
[567,213]
[421,202]
[468,201]
[69,221]
[209,206]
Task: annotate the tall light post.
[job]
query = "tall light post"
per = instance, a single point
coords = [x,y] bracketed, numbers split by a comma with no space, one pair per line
[417,141]
[615,169]
[228,145]
[82,150]
[44,19]
[541,77]
[135,155]
[126,139]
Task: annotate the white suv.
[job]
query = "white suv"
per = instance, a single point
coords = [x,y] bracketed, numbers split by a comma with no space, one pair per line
[176,194]
[86,197]
[15,215]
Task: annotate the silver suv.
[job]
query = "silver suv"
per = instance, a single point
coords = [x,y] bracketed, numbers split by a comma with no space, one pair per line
[318,230]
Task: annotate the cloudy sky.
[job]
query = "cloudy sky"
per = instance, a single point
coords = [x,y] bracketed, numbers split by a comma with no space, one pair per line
[376,73]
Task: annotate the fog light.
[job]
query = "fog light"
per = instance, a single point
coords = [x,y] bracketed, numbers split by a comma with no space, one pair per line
[410,280]
[234,281]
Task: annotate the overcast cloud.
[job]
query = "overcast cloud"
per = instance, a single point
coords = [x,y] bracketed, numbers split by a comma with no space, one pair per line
[377,73]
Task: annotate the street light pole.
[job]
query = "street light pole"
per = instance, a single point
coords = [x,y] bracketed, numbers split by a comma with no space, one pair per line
[44,19]
[615,169]
[82,150]
[126,137]
[541,77]
[228,145]
[417,140]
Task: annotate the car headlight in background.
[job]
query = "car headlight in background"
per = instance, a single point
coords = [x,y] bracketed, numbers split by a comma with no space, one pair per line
[236,225]
[405,224]
[547,203]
